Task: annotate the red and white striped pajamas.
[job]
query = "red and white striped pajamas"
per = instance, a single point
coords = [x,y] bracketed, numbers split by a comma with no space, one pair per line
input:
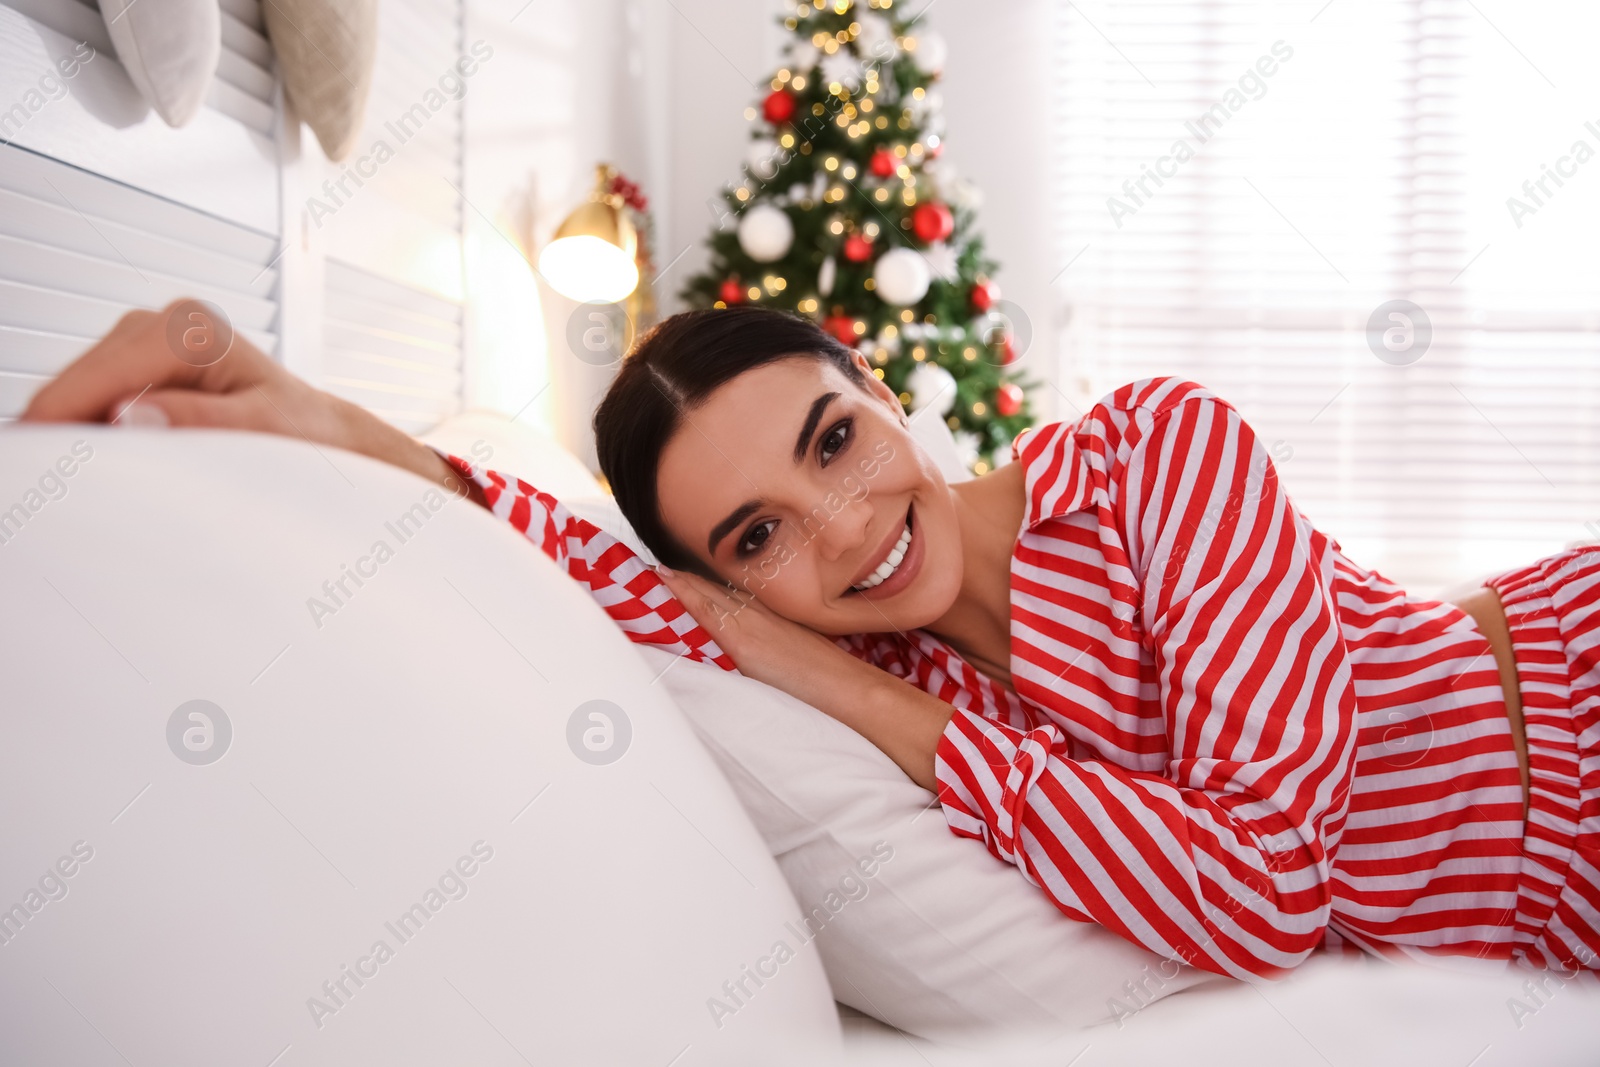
[1228,742]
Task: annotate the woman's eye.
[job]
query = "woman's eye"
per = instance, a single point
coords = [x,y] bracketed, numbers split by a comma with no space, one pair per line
[756,538]
[834,440]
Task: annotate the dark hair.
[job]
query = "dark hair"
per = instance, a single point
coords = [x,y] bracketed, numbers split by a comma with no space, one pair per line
[675,367]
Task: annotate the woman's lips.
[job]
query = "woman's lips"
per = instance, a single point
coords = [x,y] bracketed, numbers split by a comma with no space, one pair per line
[910,564]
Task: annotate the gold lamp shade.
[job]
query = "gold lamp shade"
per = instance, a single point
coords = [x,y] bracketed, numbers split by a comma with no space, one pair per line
[592,257]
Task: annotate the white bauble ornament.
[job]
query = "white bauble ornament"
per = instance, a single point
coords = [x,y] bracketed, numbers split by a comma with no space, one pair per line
[931,386]
[826,275]
[844,68]
[930,53]
[876,39]
[765,233]
[803,56]
[763,157]
[901,276]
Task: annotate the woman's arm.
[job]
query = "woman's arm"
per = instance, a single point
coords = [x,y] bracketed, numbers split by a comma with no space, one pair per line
[1224,859]
[904,722]
[240,389]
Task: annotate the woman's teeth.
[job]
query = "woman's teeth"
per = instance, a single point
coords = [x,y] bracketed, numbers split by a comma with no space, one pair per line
[887,567]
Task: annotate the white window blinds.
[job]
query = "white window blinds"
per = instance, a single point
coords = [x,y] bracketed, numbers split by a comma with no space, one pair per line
[1243,185]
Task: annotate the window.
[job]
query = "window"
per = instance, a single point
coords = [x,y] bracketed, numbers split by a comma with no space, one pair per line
[1243,190]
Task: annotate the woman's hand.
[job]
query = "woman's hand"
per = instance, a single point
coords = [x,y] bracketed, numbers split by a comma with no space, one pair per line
[185,366]
[763,644]
[902,720]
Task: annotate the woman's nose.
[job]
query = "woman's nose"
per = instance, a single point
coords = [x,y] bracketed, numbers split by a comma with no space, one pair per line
[843,531]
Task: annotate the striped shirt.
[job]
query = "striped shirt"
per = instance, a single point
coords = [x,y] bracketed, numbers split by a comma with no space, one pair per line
[1226,741]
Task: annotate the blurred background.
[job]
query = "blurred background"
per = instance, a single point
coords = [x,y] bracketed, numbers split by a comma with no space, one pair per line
[1372,227]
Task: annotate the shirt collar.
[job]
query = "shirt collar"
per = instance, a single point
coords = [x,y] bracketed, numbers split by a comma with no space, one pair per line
[1057,472]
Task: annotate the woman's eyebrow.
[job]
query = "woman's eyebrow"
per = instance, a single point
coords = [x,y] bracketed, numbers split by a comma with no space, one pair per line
[721,530]
[801,446]
[814,416]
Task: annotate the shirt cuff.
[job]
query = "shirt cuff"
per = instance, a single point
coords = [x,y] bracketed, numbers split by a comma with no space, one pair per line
[985,772]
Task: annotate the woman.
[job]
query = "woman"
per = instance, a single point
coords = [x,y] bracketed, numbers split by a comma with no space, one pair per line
[1136,671]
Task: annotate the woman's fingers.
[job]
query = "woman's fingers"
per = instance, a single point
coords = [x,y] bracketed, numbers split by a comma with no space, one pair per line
[187,345]
[186,407]
[709,603]
[125,362]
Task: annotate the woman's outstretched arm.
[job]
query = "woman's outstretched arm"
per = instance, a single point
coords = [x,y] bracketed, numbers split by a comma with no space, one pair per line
[236,388]
[134,375]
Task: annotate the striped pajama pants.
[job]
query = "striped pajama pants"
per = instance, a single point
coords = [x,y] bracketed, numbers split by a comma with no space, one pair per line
[1553,612]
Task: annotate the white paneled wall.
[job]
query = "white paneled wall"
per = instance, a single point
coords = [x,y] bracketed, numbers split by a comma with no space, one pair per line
[391,348]
[77,250]
[387,224]
[224,162]
[656,89]
[104,208]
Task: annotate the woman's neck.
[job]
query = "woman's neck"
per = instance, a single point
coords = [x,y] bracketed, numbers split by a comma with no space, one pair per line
[989,513]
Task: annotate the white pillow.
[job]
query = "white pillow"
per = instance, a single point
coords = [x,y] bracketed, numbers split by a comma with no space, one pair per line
[923,929]
[170,50]
[178,911]
[516,448]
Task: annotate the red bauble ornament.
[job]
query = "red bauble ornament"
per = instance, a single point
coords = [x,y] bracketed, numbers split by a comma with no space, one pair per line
[883,163]
[932,221]
[1008,349]
[841,326]
[857,249]
[984,294]
[732,292]
[778,107]
[1008,399]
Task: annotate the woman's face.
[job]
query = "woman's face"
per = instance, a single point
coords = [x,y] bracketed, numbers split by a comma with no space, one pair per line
[796,484]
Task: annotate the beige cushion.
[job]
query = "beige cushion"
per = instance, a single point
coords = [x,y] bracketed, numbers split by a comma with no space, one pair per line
[170,51]
[326,51]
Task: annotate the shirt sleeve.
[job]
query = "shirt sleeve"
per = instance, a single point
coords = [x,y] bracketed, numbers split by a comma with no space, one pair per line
[1223,861]
[612,573]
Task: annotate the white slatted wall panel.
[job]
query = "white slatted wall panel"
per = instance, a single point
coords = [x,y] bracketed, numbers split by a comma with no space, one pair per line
[94,219]
[244,85]
[393,275]
[77,250]
[391,348]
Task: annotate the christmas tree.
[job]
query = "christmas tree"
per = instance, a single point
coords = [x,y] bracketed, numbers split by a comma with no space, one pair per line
[848,215]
